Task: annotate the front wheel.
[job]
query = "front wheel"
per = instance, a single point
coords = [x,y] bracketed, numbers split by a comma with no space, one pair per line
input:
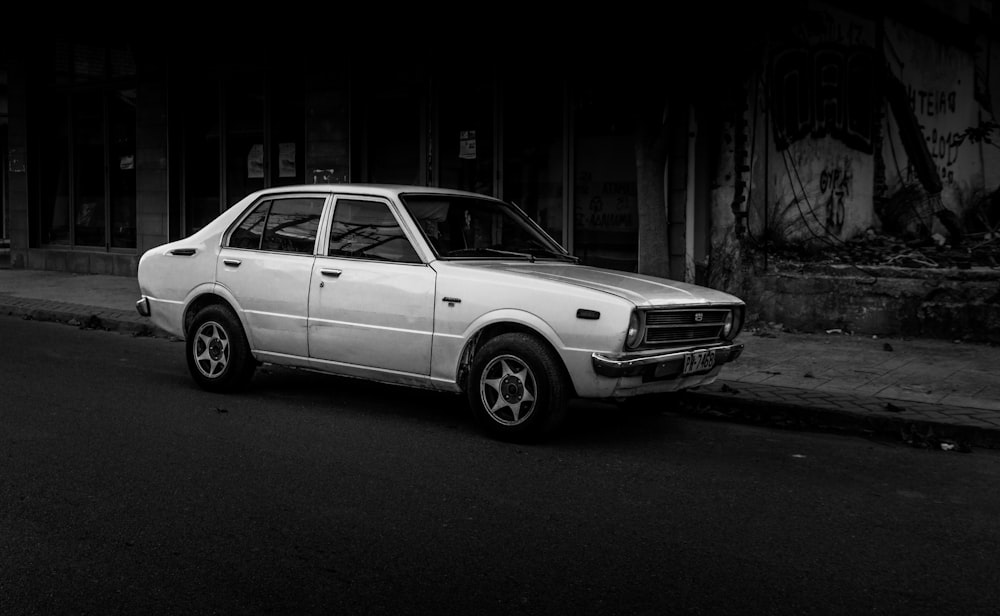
[218,354]
[517,389]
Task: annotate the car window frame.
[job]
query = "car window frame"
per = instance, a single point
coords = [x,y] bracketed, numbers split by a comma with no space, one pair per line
[395,210]
[248,211]
[557,248]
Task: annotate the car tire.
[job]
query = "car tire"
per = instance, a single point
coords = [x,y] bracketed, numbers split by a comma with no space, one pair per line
[218,354]
[517,389]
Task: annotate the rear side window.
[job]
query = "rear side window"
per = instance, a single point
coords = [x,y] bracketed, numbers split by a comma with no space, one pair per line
[368,230]
[280,225]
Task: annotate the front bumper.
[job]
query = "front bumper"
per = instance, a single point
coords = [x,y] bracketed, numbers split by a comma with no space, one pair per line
[664,365]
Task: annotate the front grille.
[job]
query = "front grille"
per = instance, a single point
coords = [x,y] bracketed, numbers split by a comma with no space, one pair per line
[684,325]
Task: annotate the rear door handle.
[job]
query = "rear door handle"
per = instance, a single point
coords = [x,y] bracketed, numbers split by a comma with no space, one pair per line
[232,262]
[332,273]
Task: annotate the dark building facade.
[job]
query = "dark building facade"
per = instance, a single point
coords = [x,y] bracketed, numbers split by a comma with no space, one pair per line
[116,147]
[674,148]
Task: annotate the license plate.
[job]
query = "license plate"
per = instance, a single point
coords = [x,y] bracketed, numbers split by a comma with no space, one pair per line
[699,361]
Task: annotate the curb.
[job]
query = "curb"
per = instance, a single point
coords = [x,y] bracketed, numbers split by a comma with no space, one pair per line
[82,316]
[918,424]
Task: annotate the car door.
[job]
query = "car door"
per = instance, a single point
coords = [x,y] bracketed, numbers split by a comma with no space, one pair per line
[371,308]
[266,263]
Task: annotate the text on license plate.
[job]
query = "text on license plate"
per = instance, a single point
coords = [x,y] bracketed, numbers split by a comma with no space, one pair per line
[697,361]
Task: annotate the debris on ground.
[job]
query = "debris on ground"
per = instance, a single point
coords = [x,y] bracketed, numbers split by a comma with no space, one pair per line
[872,249]
[763,329]
[925,437]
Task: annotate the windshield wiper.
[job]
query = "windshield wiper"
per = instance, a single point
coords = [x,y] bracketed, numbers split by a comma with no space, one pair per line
[490,251]
[558,255]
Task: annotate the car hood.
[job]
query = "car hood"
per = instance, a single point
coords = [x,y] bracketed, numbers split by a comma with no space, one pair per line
[640,289]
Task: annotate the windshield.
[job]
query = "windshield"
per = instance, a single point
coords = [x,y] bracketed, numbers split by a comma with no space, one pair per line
[471,228]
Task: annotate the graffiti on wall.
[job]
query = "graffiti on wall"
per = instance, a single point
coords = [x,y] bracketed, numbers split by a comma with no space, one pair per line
[835,188]
[824,90]
[609,204]
[943,145]
[822,196]
[827,24]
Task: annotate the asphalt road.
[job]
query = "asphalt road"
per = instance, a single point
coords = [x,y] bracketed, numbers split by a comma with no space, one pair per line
[126,490]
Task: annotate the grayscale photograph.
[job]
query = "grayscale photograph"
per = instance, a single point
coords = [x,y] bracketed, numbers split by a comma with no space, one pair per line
[606,310]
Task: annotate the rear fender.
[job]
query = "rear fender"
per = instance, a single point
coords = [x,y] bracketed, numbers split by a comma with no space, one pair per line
[199,296]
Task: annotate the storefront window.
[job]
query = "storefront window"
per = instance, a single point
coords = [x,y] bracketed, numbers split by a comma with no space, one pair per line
[88,169]
[86,176]
[605,211]
[465,135]
[286,89]
[328,135]
[533,150]
[53,172]
[389,103]
[121,167]
[200,118]
[245,154]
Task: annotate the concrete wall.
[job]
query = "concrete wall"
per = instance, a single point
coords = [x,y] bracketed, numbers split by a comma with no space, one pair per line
[940,84]
[948,304]
[725,266]
[811,116]
[991,111]
[826,150]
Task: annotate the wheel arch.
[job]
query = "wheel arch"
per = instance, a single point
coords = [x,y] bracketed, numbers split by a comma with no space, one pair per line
[491,330]
[213,298]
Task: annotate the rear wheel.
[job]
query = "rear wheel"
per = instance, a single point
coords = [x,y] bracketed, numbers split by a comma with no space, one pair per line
[218,354]
[517,389]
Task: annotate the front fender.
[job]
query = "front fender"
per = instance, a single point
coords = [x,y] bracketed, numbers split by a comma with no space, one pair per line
[450,349]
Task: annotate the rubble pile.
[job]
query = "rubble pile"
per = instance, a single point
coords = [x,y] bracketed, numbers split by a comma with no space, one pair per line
[975,250]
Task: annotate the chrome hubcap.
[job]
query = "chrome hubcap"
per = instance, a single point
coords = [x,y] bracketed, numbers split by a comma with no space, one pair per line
[508,389]
[211,349]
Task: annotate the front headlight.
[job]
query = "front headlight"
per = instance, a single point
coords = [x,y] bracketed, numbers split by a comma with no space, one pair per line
[634,335]
[733,324]
[727,325]
[738,317]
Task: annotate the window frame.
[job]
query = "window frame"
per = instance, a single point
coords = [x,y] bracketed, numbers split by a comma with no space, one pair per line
[66,77]
[269,199]
[394,211]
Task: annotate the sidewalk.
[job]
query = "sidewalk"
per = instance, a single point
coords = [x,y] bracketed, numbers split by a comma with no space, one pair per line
[930,393]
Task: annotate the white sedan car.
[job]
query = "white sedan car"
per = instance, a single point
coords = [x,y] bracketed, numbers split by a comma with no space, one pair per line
[432,288]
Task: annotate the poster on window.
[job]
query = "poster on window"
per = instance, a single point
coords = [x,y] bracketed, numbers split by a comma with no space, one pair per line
[286,160]
[467,144]
[255,161]
[15,160]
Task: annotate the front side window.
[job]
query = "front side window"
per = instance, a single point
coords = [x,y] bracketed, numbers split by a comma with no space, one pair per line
[280,225]
[471,228]
[368,230]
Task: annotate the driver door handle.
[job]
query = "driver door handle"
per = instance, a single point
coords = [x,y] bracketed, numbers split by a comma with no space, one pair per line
[332,273]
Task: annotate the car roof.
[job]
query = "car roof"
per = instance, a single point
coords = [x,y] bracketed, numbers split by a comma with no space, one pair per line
[383,190]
